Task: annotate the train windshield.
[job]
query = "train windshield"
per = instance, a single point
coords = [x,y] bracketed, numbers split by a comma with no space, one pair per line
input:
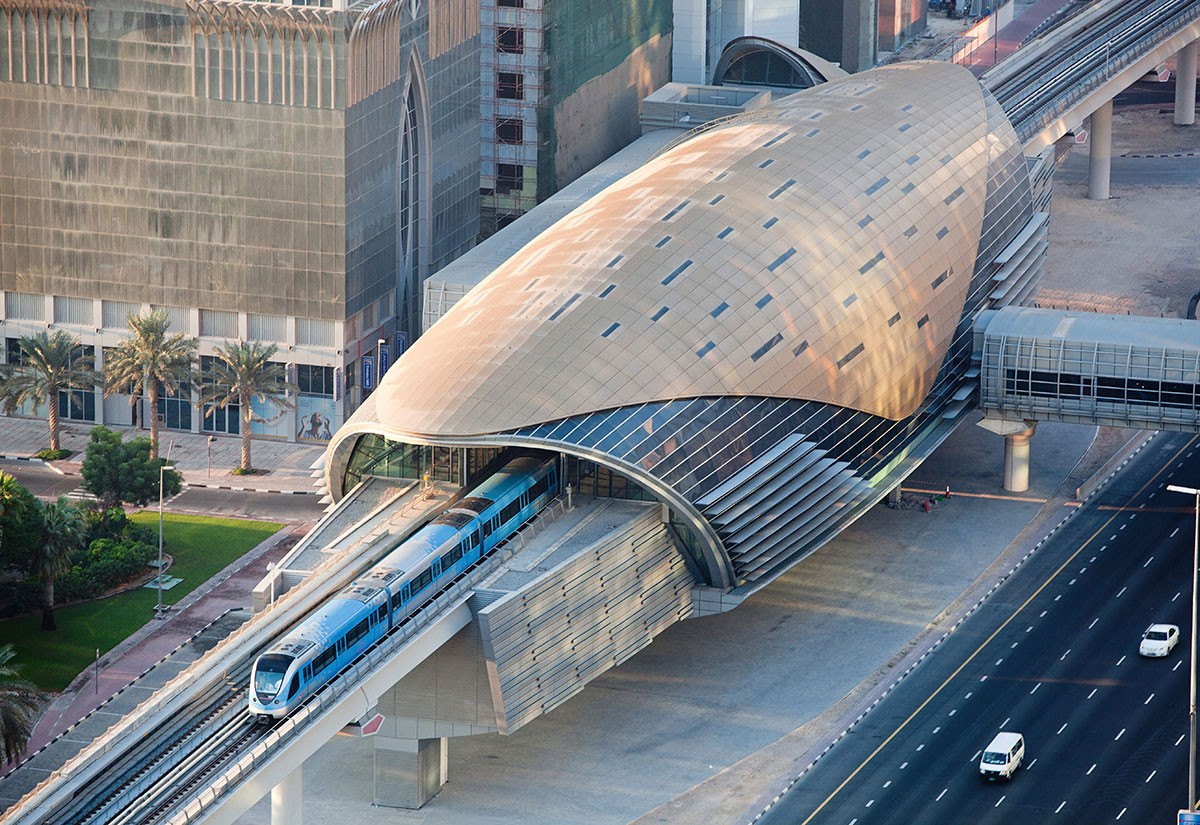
[269,673]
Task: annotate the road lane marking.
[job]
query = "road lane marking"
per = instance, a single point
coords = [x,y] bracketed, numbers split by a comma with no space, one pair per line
[1148,698]
[998,801]
[1173,532]
[1060,806]
[1123,589]
[1093,693]
[1089,770]
[1093,624]
[1060,730]
[939,796]
[1119,661]
[1123,810]
[1147,564]
[1119,735]
[978,650]
[1177,664]
[889,782]
[1151,776]
[1035,687]
[1180,739]
[1060,658]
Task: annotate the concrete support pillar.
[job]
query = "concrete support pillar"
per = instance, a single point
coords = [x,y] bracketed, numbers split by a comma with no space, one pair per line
[1100,158]
[286,799]
[409,772]
[1185,85]
[1016,461]
[893,496]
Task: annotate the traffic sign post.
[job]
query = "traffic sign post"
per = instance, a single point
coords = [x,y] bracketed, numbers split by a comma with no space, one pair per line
[1189,818]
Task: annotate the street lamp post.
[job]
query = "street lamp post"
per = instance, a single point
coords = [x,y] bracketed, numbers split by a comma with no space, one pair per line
[211,439]
[161,470]
[1191,491]
[379,359]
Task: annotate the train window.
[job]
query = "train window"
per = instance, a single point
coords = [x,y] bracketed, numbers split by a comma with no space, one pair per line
[396,602]
[381,613]
[294,687]
[357,632]
[423,580]
[324,660]
[436,567]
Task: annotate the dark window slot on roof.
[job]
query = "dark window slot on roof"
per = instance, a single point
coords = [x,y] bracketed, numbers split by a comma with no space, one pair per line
[531,284]
[947,159]
[724,233]
[877,185]
[801,347]
[812,133]
[781,260]
[770,222]
[815,116]
[786,186]
[922,321]
[665,240]
[850,356]
[908,187]
[895,319]
[766,163]
[614,261]
[941,279]
[705,350]
[912,159]
[869,265]
[607,290]
[865,220]
[907,107]
[863,154]
[765,348]
[716,200]
[661,312]
[677,272]
[676,210]
[721,307]
[565,306]
[774,140]
[610,330]
[953,196]
[943,232]
[905,127]
[721,176]
[856,107]
[850,299]
[764,300]
[912,230]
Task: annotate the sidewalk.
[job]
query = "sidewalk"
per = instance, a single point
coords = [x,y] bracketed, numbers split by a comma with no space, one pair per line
[288,464]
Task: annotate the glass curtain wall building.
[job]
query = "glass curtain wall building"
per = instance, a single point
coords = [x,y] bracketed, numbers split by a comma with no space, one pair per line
[259,171]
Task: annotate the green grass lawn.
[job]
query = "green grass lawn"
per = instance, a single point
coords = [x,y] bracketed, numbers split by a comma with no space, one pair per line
[201,546]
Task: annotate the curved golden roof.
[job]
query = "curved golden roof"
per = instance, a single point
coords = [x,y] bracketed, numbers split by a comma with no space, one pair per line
[818,249]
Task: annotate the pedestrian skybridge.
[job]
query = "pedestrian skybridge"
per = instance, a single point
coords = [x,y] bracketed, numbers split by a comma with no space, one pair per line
[1085,368]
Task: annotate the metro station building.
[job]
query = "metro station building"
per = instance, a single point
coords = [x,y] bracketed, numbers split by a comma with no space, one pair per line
[765,327]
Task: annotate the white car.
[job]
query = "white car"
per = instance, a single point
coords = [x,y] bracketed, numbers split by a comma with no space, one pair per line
[1159,640]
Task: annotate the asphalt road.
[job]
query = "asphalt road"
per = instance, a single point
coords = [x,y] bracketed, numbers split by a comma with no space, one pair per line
[47,484]
[1052,654]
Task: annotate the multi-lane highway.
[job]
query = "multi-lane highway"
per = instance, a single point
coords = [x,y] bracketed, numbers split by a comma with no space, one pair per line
[1052,654]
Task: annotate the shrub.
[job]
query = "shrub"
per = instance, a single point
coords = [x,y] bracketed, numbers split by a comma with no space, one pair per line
[53,455]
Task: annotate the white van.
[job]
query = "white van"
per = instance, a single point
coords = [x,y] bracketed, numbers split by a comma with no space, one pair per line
[1003,756]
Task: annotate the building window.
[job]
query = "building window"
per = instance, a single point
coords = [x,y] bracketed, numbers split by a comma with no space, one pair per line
[509,178]
[510,86]
[511,4]
[509,130]
[510,39]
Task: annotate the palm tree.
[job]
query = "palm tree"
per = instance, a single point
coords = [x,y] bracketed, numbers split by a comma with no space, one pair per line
[242,372]
[47,364]
[20,522]
[19,702]
[62,533]
[151,358]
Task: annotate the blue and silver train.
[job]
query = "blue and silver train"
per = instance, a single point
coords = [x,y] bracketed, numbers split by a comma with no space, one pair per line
[314,651]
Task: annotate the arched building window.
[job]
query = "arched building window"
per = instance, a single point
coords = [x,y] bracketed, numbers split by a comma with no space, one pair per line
[408,211]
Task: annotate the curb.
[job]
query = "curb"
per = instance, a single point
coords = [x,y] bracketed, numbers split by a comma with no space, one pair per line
[252,489]
[28,459]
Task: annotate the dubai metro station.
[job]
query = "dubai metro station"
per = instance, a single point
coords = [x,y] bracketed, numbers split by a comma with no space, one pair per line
[766,327]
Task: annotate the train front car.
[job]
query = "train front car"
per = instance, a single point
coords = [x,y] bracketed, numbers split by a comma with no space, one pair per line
[297,666]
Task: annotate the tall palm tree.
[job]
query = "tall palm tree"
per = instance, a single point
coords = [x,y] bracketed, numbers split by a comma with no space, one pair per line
[47,364]
[242,372]
[63,532]
[151,358]
[19,702]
